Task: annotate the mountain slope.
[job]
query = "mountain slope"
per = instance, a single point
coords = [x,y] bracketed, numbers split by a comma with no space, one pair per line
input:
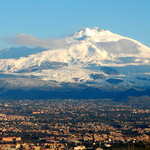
[89,51]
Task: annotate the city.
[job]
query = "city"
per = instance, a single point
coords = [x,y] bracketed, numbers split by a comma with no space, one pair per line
[72,124]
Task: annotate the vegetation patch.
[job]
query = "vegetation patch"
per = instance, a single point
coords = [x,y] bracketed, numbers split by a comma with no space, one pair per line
[97,76]
[110,71]
[114,81]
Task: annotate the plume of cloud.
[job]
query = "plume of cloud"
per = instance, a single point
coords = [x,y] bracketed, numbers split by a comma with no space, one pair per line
[121,46]
[31,40]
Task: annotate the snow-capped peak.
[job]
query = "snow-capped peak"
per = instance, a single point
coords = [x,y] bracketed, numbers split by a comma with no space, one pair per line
[88,50]
[91,32]
[93,35]
[87,32]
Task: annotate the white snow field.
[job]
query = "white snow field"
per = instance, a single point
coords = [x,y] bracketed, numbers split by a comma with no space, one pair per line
[87,53]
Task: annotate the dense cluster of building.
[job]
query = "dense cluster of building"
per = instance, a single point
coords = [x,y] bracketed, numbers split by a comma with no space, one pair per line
[71,124]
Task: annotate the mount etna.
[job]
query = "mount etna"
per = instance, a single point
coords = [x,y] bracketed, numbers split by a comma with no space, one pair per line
[93,63]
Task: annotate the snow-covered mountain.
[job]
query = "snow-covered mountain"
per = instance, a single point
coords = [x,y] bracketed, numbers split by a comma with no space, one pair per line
[92,57]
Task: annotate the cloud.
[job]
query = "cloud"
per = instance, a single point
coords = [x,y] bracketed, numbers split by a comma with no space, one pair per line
[31,40]
[121,46]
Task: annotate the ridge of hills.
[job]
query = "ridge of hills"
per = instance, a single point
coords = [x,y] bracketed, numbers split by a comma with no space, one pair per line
[130,96]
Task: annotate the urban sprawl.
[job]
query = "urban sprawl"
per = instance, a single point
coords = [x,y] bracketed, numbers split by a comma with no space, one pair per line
[73,124]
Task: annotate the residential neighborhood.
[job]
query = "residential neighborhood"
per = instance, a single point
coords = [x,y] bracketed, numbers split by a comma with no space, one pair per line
[71,124]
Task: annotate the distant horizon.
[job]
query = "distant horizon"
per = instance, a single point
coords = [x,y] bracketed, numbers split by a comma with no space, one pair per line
[56,19]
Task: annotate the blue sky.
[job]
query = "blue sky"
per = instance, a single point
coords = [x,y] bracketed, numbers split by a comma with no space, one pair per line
[58,18]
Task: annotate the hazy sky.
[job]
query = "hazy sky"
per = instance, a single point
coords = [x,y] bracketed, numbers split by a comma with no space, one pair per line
[51,19]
